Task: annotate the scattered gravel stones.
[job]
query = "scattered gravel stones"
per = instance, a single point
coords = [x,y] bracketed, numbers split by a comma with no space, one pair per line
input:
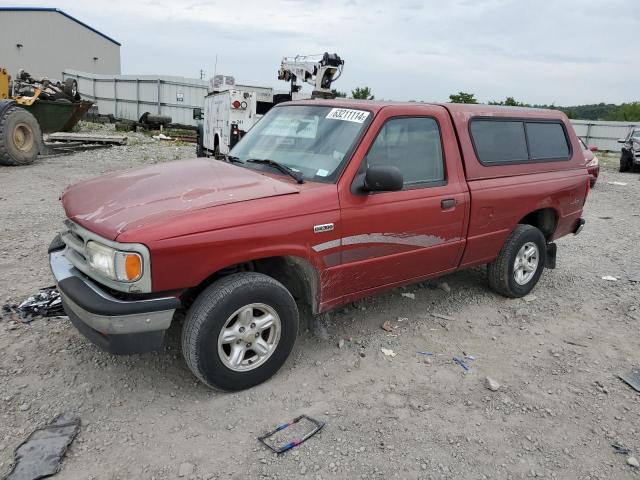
[491,384]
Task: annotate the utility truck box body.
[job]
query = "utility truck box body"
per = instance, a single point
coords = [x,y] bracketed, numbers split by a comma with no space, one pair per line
[228,115]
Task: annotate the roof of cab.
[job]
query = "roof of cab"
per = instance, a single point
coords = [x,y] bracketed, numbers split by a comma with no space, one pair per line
[466,110]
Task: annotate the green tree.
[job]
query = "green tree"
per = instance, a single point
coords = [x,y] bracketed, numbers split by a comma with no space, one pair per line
[338,93]
[362,93]
[510,102]
[627,112]
[463,97]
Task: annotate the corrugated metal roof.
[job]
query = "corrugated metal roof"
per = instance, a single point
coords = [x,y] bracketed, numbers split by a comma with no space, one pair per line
[57,10]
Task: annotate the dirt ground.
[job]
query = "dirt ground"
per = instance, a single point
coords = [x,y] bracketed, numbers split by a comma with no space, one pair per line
[559,407]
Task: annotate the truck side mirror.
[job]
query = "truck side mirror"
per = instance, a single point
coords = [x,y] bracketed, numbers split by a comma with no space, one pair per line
[197,113]
[622,140]
[593,148]
[383,178]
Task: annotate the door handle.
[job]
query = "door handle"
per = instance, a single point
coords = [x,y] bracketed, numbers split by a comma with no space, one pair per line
[448,203]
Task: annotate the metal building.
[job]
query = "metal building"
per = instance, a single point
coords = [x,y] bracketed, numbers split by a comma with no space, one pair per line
[46,41]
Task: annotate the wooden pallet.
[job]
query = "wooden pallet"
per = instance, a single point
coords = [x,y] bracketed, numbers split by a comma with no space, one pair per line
[87,138]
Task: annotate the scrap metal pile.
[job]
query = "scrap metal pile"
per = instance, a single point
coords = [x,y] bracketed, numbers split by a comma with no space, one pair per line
[24,85]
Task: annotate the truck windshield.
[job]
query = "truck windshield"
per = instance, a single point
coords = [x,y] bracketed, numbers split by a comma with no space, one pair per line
[312,140]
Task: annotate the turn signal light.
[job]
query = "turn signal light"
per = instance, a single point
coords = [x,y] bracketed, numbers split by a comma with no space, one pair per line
[133,266]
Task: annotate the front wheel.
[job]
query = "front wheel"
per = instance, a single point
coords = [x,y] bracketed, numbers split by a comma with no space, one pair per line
[240,331]
[520,262]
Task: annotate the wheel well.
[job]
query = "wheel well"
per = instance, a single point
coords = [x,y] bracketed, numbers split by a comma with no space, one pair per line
[545,220]
[295,273]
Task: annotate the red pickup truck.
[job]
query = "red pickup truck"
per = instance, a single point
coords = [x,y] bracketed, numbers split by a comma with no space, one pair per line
[323,202]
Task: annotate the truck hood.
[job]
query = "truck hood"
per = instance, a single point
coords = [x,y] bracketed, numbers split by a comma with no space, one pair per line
[112,204]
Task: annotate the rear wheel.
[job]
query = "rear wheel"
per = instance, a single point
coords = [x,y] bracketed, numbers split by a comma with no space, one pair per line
[240,331]
[626,161]
[520,262]
[20,137]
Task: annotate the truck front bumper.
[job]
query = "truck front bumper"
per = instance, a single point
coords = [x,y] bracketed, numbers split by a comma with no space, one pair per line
[116,326]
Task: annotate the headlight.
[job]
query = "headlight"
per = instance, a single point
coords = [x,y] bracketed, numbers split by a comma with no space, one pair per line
[114,264]
[593,162]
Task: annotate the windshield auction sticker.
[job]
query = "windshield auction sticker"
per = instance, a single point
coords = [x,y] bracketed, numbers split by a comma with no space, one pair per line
[357,116]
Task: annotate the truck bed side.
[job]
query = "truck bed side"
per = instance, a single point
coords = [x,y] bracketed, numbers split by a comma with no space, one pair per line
[504,195]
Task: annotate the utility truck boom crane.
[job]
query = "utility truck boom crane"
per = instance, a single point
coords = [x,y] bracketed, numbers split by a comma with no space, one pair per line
[320,73]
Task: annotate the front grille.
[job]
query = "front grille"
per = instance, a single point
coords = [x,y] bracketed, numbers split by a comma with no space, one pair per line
[76,251]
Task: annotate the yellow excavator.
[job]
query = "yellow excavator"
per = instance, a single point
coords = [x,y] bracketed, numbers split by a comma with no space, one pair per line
[29,108]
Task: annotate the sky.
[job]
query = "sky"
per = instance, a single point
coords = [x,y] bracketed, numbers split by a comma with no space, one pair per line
[562,52]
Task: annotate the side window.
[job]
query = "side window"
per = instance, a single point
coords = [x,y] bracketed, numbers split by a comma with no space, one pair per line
[547,141]
[499,141]
[413,145]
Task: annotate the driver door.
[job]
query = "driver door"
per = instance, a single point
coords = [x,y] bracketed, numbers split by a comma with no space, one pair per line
[390,238]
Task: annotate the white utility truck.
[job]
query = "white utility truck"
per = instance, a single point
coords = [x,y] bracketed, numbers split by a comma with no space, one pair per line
[227,116]
[230,110]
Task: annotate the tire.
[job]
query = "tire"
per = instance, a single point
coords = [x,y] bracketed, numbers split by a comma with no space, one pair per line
[626,162]
[70,87]
[216,147]
[17,123]
[502,272]
[211,359]
[199,140]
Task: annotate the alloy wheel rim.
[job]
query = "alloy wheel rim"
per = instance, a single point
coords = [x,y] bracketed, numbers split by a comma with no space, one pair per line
[526,263]
[249,337]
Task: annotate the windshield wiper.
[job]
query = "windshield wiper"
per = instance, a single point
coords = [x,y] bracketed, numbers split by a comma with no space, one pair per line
[231,158]
[279,166]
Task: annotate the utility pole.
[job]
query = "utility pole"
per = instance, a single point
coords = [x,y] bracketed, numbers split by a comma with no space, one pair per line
[202,73]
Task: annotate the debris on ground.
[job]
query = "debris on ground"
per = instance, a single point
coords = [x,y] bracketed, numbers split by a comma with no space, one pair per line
[162,136]
[620,449]
[443,317]
[633,461]
[634,277]
[620,184]
[444,286]
[41,454]
[291,434]
[529,298]
[428,354]
[491,384]
[341,343]
[46,303]
[406,319]
[576,344]
[461,363]
[632,379]
[610,278]
[412,296]
[387,327]
[388,353]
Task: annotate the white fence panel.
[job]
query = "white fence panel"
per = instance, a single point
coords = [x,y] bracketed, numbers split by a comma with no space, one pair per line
[129,96]
[603,134]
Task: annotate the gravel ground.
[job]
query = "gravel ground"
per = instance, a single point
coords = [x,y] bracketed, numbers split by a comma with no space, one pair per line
[556,356]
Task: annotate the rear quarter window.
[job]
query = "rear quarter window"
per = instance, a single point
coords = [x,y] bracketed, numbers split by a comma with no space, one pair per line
[513,141]
[547,141]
